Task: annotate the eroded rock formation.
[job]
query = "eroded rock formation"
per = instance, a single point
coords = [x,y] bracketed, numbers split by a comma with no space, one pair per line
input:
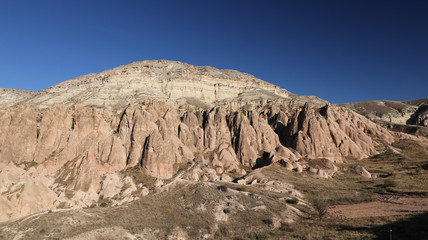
[73,145]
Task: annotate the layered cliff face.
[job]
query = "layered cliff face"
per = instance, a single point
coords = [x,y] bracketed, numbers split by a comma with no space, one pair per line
[170,81]
[61,148]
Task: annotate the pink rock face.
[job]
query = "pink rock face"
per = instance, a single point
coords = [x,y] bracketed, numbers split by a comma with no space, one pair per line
[75,148]
[18,135]
[333,133]
[156,136]
[54,129]
[160,154]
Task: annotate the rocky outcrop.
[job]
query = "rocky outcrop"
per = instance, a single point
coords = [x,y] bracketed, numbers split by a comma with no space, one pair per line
[74,151]
[75,144]
[332,133]
[77,147]
[420,117]
[393,112]
[11,97]
[360,171]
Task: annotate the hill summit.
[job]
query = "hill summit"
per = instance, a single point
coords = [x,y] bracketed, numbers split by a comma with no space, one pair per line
[172,81]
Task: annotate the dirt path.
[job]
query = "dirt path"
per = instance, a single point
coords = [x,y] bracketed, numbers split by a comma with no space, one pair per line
[385,206]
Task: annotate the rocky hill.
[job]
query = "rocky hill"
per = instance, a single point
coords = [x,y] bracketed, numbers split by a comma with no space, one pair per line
[11,97]
[389,111]
[173,82]
[406,116]
[112,138]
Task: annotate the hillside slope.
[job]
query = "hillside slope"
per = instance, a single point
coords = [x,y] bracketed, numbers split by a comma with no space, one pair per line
[126,134]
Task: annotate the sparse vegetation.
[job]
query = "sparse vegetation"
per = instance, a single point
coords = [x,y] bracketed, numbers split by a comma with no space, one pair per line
[268,221]
[343,189]
[404,227]
[222,188]
[389,183]
[28,165]
[320,205]
[139,176]
[260,236]
[234,174]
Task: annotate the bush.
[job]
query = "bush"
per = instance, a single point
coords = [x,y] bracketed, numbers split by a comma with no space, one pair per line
[262,236]
[321,206]
[292,201]
[104,204]
[268,221]
[222,188]
[388,183]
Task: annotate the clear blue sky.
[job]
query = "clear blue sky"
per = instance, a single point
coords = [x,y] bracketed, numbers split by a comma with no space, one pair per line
[341,51]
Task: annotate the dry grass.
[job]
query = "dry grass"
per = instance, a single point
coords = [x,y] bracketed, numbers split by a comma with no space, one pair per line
[405,169]
[179,207]
[344,189]
[403,227]
[139,176]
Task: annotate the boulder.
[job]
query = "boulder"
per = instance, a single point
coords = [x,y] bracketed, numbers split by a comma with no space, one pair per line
[360,171]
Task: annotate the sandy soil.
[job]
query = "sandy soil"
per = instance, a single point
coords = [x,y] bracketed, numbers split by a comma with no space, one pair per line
[385,206]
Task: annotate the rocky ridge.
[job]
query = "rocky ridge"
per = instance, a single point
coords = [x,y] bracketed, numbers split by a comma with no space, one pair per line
[81,142]
[10,97]
[174,82]
[395,112]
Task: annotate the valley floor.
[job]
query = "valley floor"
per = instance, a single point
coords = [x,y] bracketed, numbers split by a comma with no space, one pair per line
[385,206]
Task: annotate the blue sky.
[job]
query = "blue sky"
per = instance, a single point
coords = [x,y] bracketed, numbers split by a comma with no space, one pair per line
[341,51]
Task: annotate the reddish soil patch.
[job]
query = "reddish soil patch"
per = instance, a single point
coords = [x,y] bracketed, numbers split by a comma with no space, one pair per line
[385,206]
